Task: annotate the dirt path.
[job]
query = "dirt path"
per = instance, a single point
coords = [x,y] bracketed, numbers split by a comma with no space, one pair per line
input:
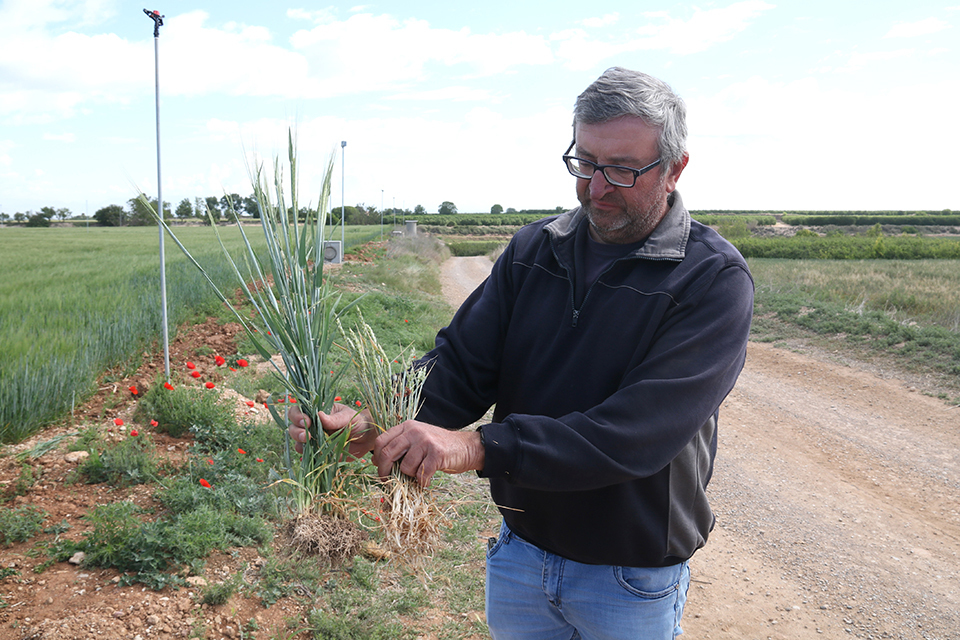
[837,496]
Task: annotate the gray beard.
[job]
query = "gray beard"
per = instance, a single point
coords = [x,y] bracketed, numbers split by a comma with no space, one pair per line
[634,225]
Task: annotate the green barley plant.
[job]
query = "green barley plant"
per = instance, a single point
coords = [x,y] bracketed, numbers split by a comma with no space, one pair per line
[410,519]
[295,313]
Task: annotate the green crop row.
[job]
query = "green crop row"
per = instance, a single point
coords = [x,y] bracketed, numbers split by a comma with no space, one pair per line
[839,247]
[845,220]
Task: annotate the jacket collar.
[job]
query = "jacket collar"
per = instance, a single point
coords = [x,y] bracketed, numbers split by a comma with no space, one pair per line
[667,242]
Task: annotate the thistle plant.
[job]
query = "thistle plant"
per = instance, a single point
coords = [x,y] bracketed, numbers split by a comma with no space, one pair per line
[295,315]
[410,517]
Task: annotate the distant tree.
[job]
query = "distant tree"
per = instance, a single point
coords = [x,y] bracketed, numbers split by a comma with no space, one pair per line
[140,214]
[48,212]
[213,206]
[232,200]
[109,216]
[511,210]
[496,209]
[4,217]
[184,209]
[419,210]
[447,208]
[38,220]
[250,207]
[19,216]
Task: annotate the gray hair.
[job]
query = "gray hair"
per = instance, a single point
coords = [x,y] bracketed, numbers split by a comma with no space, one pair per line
[622,92]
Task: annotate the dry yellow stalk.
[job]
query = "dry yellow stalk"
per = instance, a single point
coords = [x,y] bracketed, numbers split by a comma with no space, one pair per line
[410,518]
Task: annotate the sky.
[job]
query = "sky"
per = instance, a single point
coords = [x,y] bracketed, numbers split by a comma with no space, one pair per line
[792,105]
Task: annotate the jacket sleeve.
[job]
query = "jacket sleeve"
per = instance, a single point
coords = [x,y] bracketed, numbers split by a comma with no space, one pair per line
[659,407]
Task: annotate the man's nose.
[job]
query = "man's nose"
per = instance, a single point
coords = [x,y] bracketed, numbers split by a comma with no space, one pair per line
[599,185]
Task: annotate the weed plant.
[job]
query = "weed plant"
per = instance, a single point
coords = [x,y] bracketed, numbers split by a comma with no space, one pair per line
[132,460]
[181,409]
[20,524]
[146,550]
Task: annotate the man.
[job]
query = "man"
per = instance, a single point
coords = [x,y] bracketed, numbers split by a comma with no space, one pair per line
[607,337]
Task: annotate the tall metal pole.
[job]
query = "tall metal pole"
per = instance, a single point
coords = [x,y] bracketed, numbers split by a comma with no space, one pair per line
[343,202]
[157,22]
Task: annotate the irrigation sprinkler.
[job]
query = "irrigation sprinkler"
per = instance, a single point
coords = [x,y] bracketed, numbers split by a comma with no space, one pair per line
[157,23]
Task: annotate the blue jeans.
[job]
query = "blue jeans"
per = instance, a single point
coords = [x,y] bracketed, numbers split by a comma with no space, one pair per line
[534,594]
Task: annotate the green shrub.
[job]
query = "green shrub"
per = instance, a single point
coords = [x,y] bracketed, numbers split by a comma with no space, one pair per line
[179,409]
[122,540]
[131,461]
[20,524]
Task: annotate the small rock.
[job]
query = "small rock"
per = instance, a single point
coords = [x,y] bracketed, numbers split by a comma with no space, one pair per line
[77,558]
[153,620]
[76,456]
[196,581]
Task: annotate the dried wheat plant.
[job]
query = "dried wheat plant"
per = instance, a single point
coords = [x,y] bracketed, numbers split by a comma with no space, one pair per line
[410,518]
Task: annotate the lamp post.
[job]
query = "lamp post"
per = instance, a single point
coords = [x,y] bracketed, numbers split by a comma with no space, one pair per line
[157,23]
[343,202]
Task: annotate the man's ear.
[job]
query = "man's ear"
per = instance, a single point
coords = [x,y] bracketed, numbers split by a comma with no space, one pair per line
[675,172]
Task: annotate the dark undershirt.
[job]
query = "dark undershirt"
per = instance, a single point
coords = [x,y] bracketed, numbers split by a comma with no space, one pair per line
[596,257]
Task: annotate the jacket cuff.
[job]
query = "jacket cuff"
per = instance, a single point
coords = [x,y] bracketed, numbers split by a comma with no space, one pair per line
[499,450]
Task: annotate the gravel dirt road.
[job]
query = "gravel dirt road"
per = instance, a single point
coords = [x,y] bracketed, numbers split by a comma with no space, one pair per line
[837,496]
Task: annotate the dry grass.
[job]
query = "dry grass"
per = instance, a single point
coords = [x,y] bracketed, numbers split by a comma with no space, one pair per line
[331,538]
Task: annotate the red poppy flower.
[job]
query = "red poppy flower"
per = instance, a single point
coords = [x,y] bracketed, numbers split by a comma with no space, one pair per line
[195,374]
[232,369]
[250,403]
[133,390]
[279,400]
[406,321]
[210,385]
[291,399]
[204,483]
[154,423]
[190,365]
[209,460]
[168,386]
[259,459]
[241,451]
[242,362]
[359,404]
[219,360]
[118,422]
[134,433]
[337,399]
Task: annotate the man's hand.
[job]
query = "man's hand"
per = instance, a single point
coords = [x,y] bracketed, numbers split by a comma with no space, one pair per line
[363,432]
[424,449]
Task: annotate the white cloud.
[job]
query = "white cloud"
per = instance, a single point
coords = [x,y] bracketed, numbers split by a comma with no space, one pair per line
[320,16]
[858,61]
[60,137]
[396,53]
[447,94]
[704,29]
[800,145]
[603,21]
[920,28]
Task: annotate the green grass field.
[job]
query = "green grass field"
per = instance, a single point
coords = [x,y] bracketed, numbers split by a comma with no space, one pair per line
[77,302]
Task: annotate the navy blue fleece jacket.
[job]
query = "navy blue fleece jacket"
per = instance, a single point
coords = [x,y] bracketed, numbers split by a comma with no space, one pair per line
[604,432]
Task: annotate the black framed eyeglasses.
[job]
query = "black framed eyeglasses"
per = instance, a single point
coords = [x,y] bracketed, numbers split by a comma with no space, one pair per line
[617,175]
